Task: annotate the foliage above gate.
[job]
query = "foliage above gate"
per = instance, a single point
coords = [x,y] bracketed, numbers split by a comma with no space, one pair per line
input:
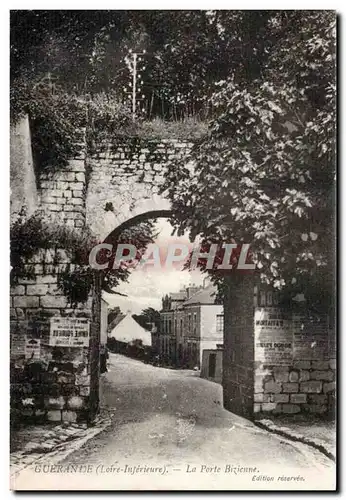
[266,174]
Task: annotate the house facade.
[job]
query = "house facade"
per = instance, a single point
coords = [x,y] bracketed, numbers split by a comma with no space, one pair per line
[190,322]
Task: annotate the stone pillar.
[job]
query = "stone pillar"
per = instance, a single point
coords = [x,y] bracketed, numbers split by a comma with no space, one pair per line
[238,354]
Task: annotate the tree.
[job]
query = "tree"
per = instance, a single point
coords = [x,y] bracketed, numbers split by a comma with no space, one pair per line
[266,173]
[83,52]
[147,317]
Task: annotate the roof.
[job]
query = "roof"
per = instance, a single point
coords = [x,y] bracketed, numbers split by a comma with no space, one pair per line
[115,321]
[128,330]
[177,296]
[205,296]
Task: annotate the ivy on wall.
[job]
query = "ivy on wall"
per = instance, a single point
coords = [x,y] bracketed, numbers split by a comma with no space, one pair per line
[75,278]
[29,236]
[57,121]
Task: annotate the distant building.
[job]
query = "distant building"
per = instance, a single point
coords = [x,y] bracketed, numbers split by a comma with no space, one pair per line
[190,322]
[128,331]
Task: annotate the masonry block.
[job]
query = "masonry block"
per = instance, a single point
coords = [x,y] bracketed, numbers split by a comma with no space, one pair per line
[77,201]
[69,416]
[320,399]
[298,398]
[82,379]
[76,165]
[84,390]
[18,290]
[329,387]
[67,176]
[54,415]
[62,187]
[272,387]
[290,408]
[280,398]
[302,365]
[66,378]
[55,403]
[281,376]
[257,407]
[48,278]
[304,375]
[261,398]
[51,301]
[26,301]
[80,177]
[318,409]
[290,387]
[312,386]
[294,376]
[322,375]
[77,193]
[37,289]
[332,364]
[320,365]
[76,403]
[268,406]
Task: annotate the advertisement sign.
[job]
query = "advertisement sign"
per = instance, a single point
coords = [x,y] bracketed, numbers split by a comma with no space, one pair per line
[32,348]
[69,332]
[273,336]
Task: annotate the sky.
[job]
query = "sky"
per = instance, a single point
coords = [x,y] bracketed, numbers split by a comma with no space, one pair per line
[145,288]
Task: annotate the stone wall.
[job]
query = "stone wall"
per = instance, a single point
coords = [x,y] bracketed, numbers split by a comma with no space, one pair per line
[303,380]
[53,382]
[22,175]
[63,194]
[97,191]
[305,386]
[275,362]
[124,180]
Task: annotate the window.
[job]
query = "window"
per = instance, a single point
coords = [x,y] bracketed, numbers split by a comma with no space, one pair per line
[269,299]
[194,323]
[219,323]
[189,322]
[262,299]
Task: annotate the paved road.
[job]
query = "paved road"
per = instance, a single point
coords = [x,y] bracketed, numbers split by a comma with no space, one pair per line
[174,420]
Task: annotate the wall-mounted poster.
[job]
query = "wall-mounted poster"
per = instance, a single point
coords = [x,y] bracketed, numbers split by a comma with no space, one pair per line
[69,332]
[32,348]
[273,336]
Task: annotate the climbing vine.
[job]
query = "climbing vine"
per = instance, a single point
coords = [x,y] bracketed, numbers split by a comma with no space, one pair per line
[28,236]
[75,278]
[57,121]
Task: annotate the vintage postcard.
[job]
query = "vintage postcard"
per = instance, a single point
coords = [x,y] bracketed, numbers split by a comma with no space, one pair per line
[173,207]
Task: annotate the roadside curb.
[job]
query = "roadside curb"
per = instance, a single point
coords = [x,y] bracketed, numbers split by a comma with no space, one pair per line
[58,454]
[269,426]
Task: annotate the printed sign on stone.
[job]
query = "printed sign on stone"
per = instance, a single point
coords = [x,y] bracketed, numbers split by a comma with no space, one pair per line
[69,332]
[273,336]
[32,348]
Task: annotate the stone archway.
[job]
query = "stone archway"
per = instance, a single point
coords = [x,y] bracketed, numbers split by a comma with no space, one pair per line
[137,219]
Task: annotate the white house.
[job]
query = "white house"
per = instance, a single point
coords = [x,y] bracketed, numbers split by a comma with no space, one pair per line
[128,330]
